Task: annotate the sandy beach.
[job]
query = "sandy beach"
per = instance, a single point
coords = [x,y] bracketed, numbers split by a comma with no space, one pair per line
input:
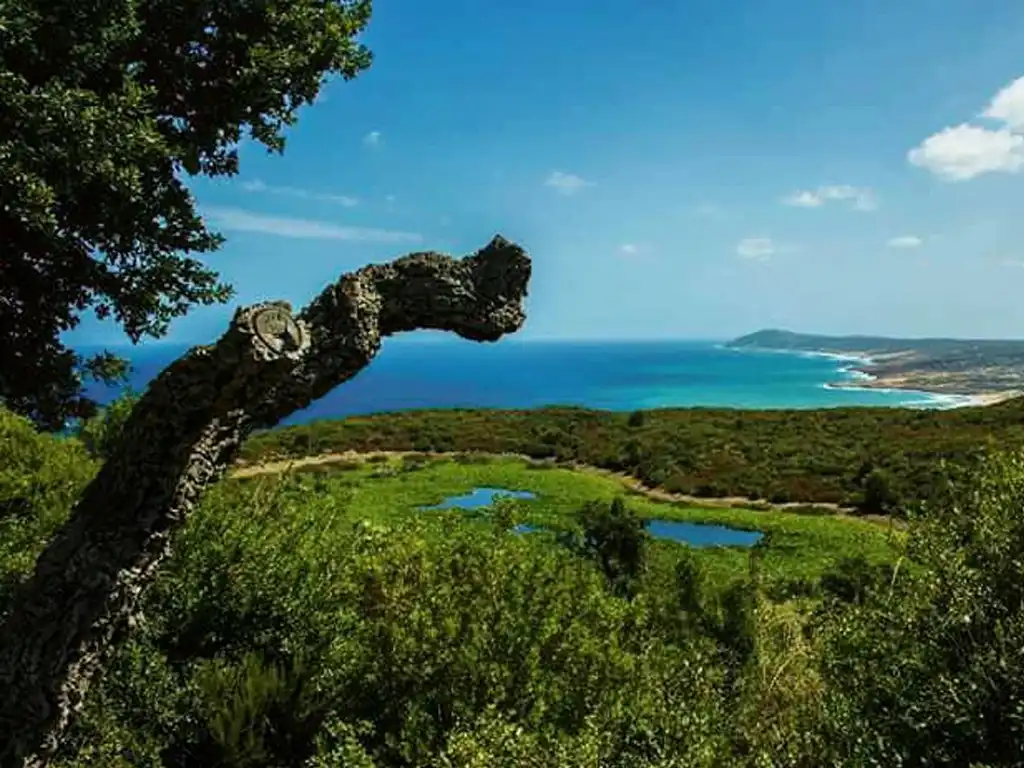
[948,390]
[942,389]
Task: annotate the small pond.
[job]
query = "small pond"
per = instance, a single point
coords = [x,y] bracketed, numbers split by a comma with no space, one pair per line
[693,534]
[479,498]
[702,534]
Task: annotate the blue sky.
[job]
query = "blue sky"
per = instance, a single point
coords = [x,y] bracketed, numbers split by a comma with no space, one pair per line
[676,169]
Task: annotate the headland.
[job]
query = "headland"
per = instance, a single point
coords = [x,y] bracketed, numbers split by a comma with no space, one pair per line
[971,371]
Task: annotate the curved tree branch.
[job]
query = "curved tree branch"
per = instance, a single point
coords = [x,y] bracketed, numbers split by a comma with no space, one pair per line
[182,435]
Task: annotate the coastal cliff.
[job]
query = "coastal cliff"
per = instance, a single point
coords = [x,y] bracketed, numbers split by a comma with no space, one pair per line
[987,369]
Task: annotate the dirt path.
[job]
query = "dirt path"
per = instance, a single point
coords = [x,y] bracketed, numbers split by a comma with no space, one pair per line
[628,481]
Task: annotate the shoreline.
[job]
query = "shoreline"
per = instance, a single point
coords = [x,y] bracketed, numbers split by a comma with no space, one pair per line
[861,380]
[936,400]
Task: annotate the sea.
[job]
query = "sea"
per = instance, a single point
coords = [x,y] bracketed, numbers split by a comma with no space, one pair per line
[615,375]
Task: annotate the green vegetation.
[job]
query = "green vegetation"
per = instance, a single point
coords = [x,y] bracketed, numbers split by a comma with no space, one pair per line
[103,108]
[798,548]
[879,459]
[322,619]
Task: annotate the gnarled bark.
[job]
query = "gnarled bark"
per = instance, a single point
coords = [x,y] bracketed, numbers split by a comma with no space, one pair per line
[184,433]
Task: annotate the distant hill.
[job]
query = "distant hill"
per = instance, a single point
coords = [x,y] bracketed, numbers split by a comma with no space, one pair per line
[807,342]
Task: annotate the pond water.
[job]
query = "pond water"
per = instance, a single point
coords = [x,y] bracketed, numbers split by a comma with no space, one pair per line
[702,534]
[479,498]
[693,534]
[526,528]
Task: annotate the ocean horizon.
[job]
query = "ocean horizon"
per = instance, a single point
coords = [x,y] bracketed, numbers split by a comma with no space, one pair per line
[610,375]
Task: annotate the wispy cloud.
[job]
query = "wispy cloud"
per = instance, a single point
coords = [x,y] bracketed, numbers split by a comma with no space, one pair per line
[1019,263]
[258,186]
[803,200]
[964,151]
[709,211]
[862,199]
[629,249]
[566,183]
[239,220]
[756,248]
[905,241]
[372,139]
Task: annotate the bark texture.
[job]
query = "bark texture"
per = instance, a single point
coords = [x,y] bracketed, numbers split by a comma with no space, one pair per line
[182,435]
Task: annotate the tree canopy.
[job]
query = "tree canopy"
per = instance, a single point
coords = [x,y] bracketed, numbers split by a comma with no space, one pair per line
[106,106]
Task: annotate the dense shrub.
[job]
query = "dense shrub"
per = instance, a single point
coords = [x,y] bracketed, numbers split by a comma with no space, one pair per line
[931,663]
[41,475]
[288,630]
[283,629]
[877,458]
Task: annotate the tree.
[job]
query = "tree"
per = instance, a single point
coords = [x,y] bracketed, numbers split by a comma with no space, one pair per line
[636,419]
[615,537]
[880,496]
[181,436]
[104,106]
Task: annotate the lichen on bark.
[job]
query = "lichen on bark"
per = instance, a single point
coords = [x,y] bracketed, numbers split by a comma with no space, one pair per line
[184,432]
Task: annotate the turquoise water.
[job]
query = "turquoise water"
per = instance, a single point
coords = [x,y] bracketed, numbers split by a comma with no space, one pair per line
[622,376]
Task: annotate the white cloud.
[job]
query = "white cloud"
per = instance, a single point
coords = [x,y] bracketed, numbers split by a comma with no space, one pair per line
[629,249]
[1012,263]
[566,183]
[756,248]
[1007,106]
[240,220]
[964,151]
[256,185]
[863,199]
[372,139]
[803,200]
[905,241]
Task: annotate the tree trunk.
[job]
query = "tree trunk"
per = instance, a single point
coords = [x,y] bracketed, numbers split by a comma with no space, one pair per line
[182,435]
